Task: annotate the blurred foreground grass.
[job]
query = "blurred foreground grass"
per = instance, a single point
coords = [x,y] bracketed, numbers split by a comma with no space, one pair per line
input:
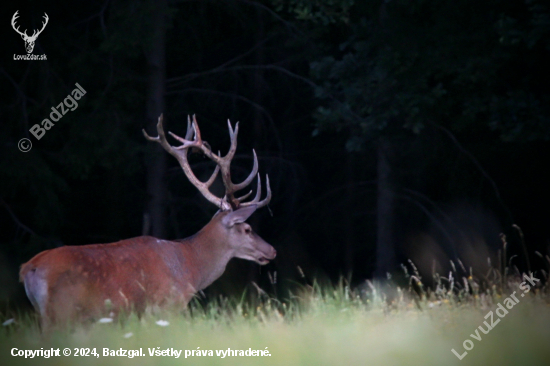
[321,326]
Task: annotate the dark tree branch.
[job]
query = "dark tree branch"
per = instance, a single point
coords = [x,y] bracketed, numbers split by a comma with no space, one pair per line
[15,219]
[176,81]
[238,97]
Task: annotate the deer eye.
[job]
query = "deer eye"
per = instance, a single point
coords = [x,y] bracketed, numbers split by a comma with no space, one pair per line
[248,230]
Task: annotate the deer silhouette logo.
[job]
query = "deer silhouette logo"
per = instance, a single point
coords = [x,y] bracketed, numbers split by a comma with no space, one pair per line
[29,40]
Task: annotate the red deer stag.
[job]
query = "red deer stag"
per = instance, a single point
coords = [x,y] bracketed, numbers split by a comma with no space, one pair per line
[75,282]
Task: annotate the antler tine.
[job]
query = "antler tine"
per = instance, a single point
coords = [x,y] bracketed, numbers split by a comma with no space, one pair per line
[267,198]
[199,143]
[196,129]
[233,136]
[190,129]
[212,178]
[258,190]
[161,138]
[209,182]
[16,28]
[44,23]
[197,140]
[225,165]
[256,201]
[242,198]
[251,176]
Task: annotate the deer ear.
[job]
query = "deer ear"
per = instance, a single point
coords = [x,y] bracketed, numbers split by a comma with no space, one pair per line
[238,216]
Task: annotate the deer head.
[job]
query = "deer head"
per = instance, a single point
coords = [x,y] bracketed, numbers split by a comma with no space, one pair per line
[243,242]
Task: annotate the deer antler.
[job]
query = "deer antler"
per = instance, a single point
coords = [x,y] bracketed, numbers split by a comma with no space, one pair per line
[35,33]
[44,23]
[229,201]
[13,19]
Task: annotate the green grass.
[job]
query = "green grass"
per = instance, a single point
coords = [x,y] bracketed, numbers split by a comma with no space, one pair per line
[330,325]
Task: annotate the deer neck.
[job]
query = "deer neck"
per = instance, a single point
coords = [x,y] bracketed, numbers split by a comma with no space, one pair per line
[210,254]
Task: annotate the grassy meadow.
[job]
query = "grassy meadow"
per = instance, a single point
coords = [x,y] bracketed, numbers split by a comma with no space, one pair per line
[372,324]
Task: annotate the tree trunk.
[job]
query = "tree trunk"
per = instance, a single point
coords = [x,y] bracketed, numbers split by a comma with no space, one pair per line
[349,222]
[385,246]
[258,98]
[155,160]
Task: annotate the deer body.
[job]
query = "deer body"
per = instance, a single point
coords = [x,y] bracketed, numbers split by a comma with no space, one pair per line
[83,282]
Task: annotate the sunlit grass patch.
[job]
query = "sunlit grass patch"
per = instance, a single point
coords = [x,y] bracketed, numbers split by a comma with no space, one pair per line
[370,324]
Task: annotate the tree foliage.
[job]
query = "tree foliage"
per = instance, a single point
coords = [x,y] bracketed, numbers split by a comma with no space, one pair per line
[464,65]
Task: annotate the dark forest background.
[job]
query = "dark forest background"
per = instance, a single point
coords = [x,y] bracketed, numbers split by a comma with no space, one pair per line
[390,130]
